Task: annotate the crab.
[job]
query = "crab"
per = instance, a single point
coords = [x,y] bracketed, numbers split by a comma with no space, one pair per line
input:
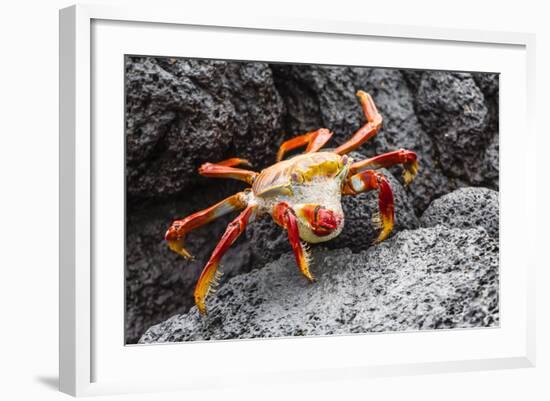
[302,194]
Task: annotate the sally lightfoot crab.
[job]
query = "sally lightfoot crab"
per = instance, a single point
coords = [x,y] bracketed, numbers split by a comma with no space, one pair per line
[302,194]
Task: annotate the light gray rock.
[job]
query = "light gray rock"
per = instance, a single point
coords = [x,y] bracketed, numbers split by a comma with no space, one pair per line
[427,278]
[465,208]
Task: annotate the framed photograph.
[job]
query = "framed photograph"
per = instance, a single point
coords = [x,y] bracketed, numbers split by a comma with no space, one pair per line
[256,190]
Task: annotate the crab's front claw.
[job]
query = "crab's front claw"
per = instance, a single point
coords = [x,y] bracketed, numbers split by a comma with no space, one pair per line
[321,220]
[386,217]
[285,216]
[177,246]
[371,180]
[176,240]
[410,166]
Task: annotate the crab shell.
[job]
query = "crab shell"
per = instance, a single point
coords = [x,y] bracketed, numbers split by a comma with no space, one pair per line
[314,178]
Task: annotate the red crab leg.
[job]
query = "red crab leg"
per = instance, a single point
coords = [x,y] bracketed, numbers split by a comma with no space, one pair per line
[218,170]
[209,276]
[405,157]
[314,141]
[367,131]
[234,161]
[286,217]
[370,180]
[179,228]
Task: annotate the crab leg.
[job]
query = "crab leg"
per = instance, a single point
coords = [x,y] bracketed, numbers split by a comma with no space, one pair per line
[234,161]
[405,157]
[179,228]
[314,140]
[224,169]
[209,276]
[367,131]
[372,180]
[285,216]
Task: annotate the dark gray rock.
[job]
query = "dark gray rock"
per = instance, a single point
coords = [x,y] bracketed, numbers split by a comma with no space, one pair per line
[181,113]
[319,96]
[453,111]
[486,172]
[420,279]
[491,163]
[488,83]
[413,78]
[465,208]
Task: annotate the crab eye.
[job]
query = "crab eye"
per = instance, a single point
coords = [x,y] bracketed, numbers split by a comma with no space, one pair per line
[296,178]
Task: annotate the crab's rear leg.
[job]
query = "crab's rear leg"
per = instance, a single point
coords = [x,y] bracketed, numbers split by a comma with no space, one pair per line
[367,131]
[209,276]
[226,169]
[234,161]
[285,216]
[405,157]
[179,228]
[369,180]
[314,140]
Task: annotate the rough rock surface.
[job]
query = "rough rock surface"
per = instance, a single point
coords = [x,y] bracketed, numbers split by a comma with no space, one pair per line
[465,208]
[455,114]
[427,278]
[181,113]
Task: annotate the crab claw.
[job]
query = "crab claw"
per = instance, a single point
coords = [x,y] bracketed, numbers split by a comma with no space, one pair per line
[405,157]
[368,180]
[285,216]
[179,228]
[175,240]
[410,166]
[327,221]
[386,209]
[322,221]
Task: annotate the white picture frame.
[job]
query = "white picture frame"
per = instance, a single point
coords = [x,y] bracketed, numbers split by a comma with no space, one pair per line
[83,349]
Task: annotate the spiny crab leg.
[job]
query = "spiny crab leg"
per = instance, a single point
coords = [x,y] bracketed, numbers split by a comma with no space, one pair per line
[367,131]
[208,279]
[179,228]
[286,217]
[314,141]
[371,180]
[405,157]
